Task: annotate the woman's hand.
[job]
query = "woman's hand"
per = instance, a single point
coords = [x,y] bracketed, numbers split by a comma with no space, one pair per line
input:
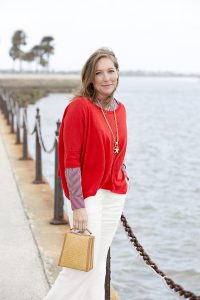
[80,219]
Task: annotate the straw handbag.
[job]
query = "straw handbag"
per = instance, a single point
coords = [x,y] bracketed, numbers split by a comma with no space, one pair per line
[77,250]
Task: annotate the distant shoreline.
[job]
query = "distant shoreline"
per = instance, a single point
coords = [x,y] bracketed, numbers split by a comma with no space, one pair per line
[28,87]
[76,74]
[157,74]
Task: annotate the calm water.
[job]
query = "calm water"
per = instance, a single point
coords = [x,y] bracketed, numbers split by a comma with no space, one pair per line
[163,163]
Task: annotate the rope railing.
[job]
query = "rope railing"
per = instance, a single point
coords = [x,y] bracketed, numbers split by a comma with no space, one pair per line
[41,141]
[172,285]
[11,111]
[24,117]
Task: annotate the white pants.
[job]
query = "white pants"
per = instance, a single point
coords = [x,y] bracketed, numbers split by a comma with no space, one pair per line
[104,211]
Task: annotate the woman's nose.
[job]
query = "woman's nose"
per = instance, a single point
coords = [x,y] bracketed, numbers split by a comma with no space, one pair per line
[105,76]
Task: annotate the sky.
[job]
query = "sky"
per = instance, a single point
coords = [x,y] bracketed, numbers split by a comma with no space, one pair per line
[150,35]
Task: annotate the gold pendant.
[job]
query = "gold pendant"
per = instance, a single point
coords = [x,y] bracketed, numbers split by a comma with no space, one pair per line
[116,147]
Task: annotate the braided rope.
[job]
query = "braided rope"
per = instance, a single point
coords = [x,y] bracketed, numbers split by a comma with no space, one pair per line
[172,285]
[26,124]
[42,145]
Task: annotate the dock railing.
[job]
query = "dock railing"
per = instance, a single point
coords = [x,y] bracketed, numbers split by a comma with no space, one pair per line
[12,111]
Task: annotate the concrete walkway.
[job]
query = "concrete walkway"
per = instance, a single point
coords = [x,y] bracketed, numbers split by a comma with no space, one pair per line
[22,275]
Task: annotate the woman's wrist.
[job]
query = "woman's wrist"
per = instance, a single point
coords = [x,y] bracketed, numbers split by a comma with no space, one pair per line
[76,207]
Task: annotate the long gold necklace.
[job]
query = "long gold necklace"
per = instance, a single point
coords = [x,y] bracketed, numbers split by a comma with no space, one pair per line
[116,140]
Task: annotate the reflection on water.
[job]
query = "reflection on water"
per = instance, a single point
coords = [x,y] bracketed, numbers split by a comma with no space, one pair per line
[163,162]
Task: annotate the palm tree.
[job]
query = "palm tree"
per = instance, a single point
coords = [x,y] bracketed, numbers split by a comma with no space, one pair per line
[28,57]
[37,53]
[48,49]
[18,40]
[43,62]
[13,54]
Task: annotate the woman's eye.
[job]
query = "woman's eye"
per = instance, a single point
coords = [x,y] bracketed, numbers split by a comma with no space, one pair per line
[111,71]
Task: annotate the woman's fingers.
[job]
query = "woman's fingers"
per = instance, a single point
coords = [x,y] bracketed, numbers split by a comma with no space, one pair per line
[84,225]
[80,225]
[80,219]
[75,225]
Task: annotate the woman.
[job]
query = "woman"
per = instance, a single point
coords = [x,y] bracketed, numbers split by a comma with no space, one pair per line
[92,146]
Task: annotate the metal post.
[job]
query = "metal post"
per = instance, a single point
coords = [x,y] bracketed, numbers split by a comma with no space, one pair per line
[7,111]
[58,218]
[12,121]
[25,138]
[1,102]
[3,106]
[108,277]
[38,150]
[17,124]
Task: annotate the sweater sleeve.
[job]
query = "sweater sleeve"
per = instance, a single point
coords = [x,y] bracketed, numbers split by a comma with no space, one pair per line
[73,134]
[73,179]
[124,170]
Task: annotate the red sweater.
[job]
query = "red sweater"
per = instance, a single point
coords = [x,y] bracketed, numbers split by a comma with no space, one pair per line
[85,141]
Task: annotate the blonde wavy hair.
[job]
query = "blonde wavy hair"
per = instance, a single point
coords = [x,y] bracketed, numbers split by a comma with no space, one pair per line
[88,73]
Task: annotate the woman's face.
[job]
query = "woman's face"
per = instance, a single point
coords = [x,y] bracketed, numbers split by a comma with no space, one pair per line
[105,78]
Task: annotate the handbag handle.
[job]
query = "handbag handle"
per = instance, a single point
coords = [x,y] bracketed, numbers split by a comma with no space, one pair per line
[81,231]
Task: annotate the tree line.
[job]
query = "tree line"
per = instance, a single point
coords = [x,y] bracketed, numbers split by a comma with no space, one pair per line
[40,54]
